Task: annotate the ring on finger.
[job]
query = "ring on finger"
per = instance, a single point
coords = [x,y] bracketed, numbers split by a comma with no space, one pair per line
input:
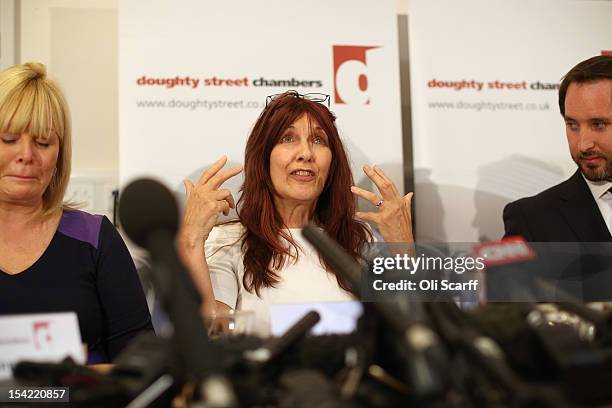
[380,203]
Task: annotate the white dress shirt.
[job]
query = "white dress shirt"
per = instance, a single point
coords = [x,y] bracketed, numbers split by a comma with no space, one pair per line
[603,198]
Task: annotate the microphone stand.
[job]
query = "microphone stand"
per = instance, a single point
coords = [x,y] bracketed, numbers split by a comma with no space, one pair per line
[194,356]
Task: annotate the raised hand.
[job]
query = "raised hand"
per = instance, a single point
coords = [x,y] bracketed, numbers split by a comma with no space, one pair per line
[205,200]
[392,216]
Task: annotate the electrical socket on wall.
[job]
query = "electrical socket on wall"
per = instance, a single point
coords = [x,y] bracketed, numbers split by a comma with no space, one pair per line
[92,191]
[81,194]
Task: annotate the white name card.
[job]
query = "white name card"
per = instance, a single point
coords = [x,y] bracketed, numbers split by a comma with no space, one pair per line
[48,337]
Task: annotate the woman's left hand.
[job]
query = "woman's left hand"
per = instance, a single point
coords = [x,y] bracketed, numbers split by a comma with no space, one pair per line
[393,216]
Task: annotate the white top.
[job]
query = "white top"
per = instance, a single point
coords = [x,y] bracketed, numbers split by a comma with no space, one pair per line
[301,281]
[603,198]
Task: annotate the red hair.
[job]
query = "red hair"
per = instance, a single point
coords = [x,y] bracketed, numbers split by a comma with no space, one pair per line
[263,248]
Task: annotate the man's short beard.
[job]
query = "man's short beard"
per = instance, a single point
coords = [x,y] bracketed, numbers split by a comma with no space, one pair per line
[594,174]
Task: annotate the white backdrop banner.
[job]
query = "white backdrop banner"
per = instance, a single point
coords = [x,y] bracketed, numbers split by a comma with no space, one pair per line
[486,122]
[194,76]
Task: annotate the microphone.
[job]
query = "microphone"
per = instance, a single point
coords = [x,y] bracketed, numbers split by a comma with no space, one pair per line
[421,351]
[275,347]
[550,271]
[521,271]
[149,215]
[515,267]
[147,207]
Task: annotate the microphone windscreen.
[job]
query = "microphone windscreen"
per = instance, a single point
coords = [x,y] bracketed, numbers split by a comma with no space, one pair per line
[147,206]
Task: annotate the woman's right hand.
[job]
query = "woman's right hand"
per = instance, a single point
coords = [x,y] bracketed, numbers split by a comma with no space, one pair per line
[204,201]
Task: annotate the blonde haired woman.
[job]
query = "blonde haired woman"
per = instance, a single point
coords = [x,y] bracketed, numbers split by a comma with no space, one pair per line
[54,258]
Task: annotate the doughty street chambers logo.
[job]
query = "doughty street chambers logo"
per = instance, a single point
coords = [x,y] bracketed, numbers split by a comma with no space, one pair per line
[351,74]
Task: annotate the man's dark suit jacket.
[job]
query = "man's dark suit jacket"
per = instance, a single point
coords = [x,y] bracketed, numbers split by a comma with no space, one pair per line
[566,212]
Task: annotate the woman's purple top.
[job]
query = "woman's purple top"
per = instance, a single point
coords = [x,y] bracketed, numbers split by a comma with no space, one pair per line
[86,269]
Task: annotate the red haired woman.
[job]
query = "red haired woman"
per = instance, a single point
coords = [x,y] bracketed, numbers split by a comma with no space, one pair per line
[296,171]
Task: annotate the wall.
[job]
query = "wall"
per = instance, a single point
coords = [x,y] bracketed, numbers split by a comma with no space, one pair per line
[77,41]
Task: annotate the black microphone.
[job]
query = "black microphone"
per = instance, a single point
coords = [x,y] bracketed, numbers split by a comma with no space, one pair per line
[342,262]
[558,272]
[147,207]
[550,271]
[276,346]
[149,215]
[529,272]
[422,352]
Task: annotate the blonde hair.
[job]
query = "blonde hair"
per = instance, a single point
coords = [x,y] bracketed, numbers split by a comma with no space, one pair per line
[32,103]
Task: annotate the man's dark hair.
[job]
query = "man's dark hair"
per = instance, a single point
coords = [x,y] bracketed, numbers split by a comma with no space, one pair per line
[592,69]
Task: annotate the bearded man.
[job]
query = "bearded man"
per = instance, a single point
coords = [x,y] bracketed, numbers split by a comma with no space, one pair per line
[580,208]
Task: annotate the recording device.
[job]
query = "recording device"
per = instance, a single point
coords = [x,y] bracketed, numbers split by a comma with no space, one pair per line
[483,352]
[419,349]
[520,271]
[246,361]
[548,272]
[149,215]
[274,347]
[402,352]
[464,342]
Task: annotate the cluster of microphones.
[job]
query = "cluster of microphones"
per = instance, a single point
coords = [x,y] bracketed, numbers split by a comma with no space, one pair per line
[404,352]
